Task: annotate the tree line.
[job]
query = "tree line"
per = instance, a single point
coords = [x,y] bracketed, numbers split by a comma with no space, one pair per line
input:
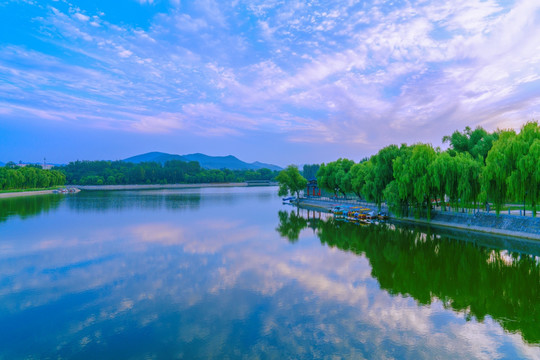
[172,172]
[13,177]
[478,168]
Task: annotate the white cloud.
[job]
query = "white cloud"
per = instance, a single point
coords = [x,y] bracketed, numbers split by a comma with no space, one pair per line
[81,17]
[339,73]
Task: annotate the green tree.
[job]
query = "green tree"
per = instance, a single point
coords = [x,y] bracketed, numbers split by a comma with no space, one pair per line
[290,181]
[477,143]
[333,176]
[358,177]
[412,176]
[310,171]
[499,165]
[438,174]
[381,173]
[469,185]
[523,182]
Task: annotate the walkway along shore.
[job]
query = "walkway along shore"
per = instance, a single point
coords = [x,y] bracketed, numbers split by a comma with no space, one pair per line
[127,187]
[25,193]
[157,186]
[508,225]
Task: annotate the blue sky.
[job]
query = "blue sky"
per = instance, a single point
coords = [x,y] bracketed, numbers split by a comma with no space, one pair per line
[270,80]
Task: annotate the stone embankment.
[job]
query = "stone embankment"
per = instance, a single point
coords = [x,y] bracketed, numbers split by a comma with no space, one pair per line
[38,192]
[156,186]
[508,225]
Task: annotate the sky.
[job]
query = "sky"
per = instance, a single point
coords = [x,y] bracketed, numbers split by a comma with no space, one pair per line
[277,81]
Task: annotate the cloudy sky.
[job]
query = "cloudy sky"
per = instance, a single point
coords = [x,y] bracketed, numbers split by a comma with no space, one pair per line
[277,81]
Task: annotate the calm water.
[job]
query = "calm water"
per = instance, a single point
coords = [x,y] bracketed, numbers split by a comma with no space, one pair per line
[232,273]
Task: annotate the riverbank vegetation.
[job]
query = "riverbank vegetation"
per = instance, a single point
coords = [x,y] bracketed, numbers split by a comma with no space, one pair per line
[478,168]
[291,181]
[29,178]
[171,172]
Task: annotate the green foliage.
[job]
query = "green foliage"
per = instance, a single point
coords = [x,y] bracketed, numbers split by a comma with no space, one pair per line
[469,185]
[477,143]
[334,176]
[380,173]
[358,174]
[438,172]
[290,181]
[29,177]
[290,225]
[310,171]
[172,172]
[523,154]
[412,176]
[498,167]
[499,164]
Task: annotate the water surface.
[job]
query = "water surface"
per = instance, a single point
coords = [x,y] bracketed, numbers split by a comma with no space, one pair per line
[233,273]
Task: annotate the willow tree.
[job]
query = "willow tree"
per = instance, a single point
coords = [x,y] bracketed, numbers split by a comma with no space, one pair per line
[477,143]
[499,166]
[402,188]
[422,156]
[437,171]
[523,183]
[531,164]
[290,181]
[381,173]
[469,186]
[358,177]
[334,176]
[412,175]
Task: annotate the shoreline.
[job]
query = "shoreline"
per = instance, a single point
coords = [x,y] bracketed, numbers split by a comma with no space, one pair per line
[25,193]
[472,222]
[157,186]
[14,194]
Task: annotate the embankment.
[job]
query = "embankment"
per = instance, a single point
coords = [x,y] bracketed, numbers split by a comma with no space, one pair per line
[25,193]
[127,187]
[507,225]
[155,186]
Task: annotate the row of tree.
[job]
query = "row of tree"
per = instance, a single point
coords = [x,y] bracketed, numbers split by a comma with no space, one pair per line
[172,172]
[478,167]
[29,177]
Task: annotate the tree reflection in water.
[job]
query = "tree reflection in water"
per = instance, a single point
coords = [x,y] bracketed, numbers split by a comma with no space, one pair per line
[463,272]
[28,206]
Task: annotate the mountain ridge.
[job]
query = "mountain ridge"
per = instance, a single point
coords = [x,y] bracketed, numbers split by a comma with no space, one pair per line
[206,161]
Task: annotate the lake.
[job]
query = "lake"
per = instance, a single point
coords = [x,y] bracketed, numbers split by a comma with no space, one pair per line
[229,273]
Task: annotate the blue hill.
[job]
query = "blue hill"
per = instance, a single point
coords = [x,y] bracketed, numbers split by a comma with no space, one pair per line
[155,156]
[206,161]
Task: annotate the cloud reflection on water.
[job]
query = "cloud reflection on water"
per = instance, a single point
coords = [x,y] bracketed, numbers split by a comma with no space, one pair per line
[214,281]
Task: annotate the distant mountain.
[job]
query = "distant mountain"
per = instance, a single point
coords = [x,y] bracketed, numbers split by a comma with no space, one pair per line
[154,157]
[227,162]
[2,164]
[206,161]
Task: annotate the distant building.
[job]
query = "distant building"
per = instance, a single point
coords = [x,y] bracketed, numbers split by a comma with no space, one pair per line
[312,189]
